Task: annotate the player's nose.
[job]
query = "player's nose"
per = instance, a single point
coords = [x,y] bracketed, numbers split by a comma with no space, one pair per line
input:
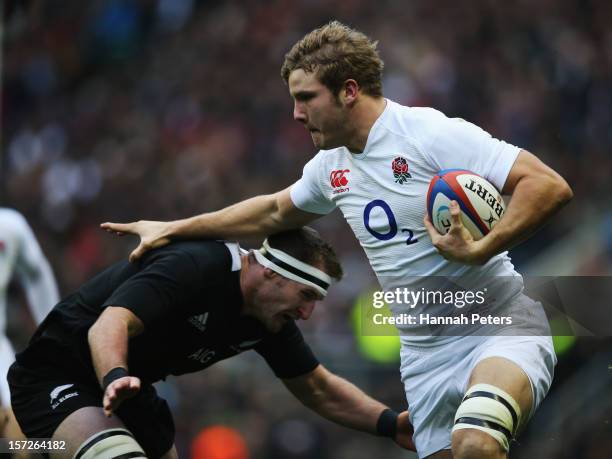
[298,113]
[305,310]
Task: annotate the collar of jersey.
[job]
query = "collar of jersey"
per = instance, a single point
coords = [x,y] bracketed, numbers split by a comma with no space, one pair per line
[376,131]
[235,251]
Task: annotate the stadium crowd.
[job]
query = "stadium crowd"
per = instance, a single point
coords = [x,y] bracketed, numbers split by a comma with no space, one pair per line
[120,110]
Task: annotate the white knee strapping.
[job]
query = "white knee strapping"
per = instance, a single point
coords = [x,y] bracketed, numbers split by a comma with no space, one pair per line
[110,444]
[491,410]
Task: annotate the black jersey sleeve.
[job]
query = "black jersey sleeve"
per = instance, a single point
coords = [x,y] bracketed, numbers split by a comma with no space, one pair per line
[287,353]
[162,290]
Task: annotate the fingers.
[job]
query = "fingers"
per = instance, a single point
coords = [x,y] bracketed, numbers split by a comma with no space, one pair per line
[117,392]
[152,235]
[436,237]
[455,212]
[108,401]
[118,228]
[433,232]
[405,431]
[134,385]
[403,421]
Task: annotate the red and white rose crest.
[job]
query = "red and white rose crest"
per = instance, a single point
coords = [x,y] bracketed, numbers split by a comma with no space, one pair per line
[400,170]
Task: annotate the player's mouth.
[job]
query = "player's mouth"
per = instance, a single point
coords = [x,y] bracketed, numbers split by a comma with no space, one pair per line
[288,317]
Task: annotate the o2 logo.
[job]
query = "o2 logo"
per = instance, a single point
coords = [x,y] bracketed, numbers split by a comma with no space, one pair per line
[391,219]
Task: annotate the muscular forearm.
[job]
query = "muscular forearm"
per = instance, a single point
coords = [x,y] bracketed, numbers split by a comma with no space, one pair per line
[253,217]
[534,200]
[340,401]
[108,344]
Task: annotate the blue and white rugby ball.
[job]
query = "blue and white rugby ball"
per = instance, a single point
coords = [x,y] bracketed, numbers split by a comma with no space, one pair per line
[480,202]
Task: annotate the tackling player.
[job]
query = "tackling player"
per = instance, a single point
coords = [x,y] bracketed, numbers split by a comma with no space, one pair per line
[21,259]
[469,393]
[181,309]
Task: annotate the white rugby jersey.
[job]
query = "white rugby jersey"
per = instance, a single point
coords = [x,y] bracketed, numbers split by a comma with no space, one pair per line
[21,256]
[385,210]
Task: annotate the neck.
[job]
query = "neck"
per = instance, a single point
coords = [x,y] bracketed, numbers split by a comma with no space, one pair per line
[245,288]
[364,114]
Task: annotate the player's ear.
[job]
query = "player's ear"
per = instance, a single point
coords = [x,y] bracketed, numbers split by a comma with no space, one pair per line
[349,92]
[269,274]
[252,259]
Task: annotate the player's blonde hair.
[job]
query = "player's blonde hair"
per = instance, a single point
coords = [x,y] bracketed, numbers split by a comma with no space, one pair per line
[337,53]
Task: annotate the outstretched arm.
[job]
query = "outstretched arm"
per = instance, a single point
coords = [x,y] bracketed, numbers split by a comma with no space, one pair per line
[342,402]
[108,342]
[258,216]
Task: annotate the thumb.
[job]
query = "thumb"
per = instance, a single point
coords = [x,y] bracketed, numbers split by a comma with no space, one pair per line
[137,252]
[431,229]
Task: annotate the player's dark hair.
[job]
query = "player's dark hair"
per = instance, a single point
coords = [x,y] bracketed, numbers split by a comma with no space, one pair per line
[306,245]
[337,53]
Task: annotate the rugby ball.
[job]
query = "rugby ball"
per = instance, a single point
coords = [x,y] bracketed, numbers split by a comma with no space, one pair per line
[480,202]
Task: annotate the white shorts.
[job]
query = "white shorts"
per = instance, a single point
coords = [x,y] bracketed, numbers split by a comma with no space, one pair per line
[436,378]
[7,357]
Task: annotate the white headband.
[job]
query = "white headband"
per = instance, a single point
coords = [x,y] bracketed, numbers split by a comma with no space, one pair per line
[292,268]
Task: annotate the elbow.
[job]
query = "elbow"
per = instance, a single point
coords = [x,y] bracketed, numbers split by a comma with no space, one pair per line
[278,208]
[92,332]
[568,193]
[100,329]
[312,389]
[555,190]
[564,192]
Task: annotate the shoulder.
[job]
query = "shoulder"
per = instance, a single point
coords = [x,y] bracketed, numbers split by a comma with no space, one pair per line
[427,126]
[311,168]
[10,218]
[203,254]
[318,168]
[326,159]
[15,229]
[414,121]
[289,334]
[205,246]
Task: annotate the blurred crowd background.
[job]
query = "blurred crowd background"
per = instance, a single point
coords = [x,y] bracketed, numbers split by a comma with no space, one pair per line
[119,110]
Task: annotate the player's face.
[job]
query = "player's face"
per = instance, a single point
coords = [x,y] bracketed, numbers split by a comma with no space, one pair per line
[279,300]
[319,110]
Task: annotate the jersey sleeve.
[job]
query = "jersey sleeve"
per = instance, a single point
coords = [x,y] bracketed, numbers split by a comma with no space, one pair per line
[34,272]
[287,354]
[161,291]
[307,193]
[461,144]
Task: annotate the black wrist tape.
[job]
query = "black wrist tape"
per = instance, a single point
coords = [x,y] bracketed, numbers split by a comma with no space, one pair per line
[115,373]
[387,424]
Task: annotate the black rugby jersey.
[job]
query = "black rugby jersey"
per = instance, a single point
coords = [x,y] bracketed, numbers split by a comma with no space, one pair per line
[190,302]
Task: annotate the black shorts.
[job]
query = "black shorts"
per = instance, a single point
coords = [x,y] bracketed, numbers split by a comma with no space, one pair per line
[41,399]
